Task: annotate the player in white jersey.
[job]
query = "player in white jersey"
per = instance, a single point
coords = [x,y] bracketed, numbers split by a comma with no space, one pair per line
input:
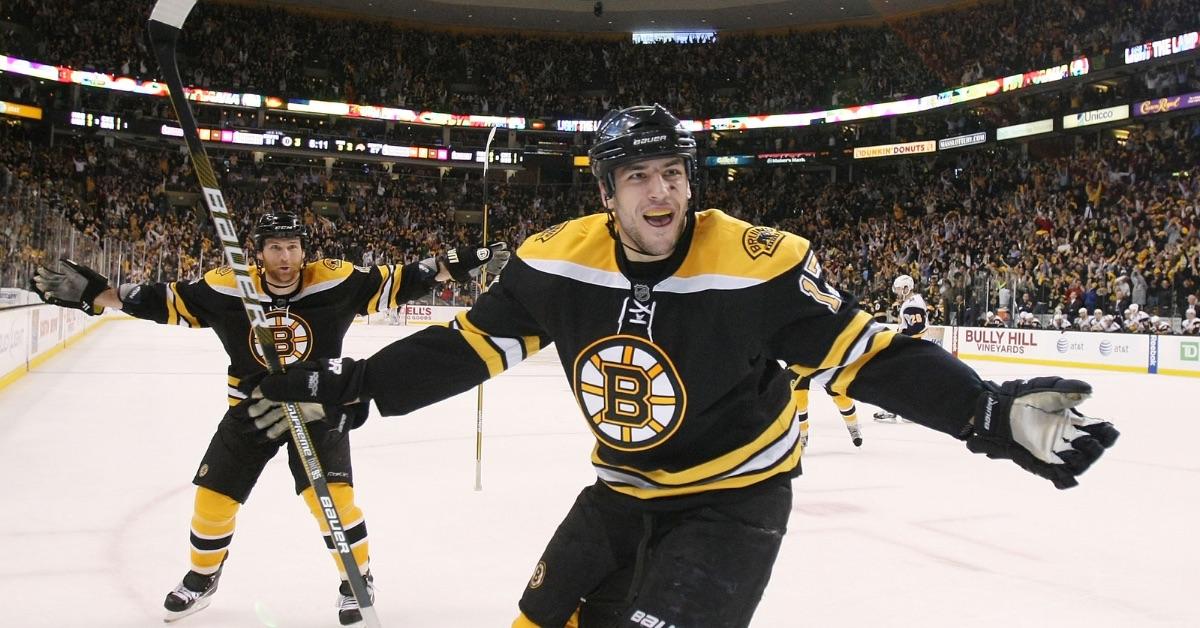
[912,307]
[1060,322]
[1084,321]
[1190,325]
[912,321]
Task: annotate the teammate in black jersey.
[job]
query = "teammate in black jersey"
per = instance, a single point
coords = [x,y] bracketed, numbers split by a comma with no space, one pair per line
[310,306]
[670,325]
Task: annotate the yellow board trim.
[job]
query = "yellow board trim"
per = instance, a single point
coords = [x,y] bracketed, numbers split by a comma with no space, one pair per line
[1179,372]
[20,371]
[1043,362]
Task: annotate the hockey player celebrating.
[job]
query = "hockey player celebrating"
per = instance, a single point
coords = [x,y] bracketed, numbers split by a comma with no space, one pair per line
[669,323]
[310,306]
[912,322]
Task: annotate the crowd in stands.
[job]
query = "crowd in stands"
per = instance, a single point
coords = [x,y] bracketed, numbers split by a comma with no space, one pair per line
[993,236]
[298,54]
[1062,236]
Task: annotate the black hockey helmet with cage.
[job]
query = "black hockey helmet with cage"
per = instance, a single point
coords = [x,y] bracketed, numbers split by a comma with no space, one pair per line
[279,224]
[640,132]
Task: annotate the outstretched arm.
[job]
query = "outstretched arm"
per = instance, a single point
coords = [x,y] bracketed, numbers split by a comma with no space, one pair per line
[429,366]
[1035,423]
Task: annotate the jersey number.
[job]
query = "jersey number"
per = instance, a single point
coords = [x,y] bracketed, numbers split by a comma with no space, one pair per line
[815,287]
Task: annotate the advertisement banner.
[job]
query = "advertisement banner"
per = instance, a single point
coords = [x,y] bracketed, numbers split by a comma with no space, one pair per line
[429,314]
[962,140]
[1168,104]
[728,160]
[1024,130]
[20,111]
[1114,352]
[14,339]
[891,150]
[341,145]
[788,158]
[1179,355]
[30,335]
[1162,48]
[1096,116]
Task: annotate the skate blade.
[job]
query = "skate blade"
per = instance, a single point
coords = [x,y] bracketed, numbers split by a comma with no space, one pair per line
[200,605]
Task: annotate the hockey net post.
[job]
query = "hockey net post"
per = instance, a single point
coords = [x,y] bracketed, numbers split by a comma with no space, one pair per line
[166,22]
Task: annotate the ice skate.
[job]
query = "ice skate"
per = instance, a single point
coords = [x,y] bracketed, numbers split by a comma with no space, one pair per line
[193,594]
[348,610]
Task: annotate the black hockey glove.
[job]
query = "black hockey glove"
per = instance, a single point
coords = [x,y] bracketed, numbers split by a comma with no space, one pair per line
[337,382]
[1035,424]
[465,262]
[76,287]
[268,419]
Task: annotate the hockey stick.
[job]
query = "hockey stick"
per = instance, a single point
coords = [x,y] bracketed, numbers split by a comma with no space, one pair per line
[487,159]
[166,20]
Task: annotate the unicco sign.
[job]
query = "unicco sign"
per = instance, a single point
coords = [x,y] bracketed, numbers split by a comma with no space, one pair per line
[1097,116]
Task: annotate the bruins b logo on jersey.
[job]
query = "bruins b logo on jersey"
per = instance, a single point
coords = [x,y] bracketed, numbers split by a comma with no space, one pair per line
[550,233]
[291,334]
[759,241]
[630,392]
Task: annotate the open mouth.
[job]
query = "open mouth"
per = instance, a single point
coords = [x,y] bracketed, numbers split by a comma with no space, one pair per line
[659,218]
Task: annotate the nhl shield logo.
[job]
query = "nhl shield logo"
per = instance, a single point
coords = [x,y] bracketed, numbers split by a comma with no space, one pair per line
[641,292]
[759,241]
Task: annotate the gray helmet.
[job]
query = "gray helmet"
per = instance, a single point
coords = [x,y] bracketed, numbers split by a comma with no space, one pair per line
[635,133]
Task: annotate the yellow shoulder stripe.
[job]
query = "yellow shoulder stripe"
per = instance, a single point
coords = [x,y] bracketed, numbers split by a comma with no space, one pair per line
[324,270]
[727,246]
[223,277]
[583,241]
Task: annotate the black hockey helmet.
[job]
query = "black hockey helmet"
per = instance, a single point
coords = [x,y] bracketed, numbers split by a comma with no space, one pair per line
[279,224]
[635,133]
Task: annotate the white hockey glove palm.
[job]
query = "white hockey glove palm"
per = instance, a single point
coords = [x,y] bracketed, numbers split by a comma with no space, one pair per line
[268,419]
[76,287]
[1035,424]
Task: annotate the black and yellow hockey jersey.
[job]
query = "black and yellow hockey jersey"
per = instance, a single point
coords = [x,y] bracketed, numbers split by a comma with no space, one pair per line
[674,363]
[306,325]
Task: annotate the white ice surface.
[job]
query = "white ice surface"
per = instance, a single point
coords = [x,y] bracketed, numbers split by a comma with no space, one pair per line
[98,447]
